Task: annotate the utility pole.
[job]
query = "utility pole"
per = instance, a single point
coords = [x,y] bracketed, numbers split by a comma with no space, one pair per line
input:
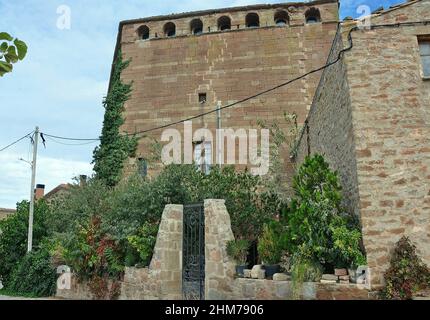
[219,144]
[33,184]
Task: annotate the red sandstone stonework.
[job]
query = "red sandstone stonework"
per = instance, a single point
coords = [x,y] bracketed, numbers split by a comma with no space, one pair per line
[168,74]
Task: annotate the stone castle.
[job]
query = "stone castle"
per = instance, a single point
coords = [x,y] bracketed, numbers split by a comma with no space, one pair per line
[368,113]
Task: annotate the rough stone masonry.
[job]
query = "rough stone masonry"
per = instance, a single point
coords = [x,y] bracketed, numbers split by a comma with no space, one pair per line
[369,114]
[169,74]
[370,118]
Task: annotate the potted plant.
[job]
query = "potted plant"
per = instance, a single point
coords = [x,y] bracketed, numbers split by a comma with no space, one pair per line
[271,245]
[238,250]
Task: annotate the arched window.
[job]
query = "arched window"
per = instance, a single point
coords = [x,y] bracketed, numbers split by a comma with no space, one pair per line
[252,20]
[143,33]
[224,23]
[281,18]
[170,29]
[313,16]
[196,26]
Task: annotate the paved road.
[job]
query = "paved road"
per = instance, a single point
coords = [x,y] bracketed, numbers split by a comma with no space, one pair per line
[21,298]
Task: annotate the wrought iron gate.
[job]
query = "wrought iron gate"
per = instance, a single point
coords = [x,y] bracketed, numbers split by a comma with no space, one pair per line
[193,248]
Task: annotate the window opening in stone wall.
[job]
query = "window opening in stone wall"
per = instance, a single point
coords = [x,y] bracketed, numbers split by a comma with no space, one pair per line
[202,98]
[313,16]
[143,33]
[196,26]
[224,23]
[424,44]
[252,20]
[170,29]
[281,18]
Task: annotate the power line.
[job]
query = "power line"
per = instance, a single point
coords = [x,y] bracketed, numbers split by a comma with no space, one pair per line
[253,96]
[329,64]
[339,57]
[68,139]
[69,144]
[17,141]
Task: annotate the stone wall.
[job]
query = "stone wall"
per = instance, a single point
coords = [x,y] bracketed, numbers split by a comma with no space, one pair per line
[253,289]
[391,120]
[219,267]
[329,130]
[168,74]
[162,280]
[371,119]
[221,283]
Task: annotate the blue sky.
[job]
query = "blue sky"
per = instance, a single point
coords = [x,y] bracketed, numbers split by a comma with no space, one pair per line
[61,83]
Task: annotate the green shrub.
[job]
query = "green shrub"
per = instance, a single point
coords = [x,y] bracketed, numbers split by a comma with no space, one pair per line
[76,207]
[316,219]
[304,269]
[272,243]
[144,242]
[14,231]
[128,215]
[90,252]
[34,275]
[238,250]
[346,247]
[407,273]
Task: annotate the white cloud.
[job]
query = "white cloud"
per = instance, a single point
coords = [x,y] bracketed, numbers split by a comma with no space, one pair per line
[15,175]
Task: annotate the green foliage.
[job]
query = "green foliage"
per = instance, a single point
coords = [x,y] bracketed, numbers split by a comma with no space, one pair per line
[346,246]
[14,231]
[407,273]
[74,208]
[316,219]
[115,148]
[124,219]
[304,269]
[144,241]
[11,51]
[90,252]
[238,250]
[272,243]
[34,275]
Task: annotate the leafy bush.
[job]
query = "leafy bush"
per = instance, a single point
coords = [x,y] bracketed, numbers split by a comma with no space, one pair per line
[286,262]
[144,242]
[91,252]
[304,269]
[14,231]
[316,219]
[407,273]
[272,243]
[346,247]
[238,250]
[101,229]
[34,275]
[76,207]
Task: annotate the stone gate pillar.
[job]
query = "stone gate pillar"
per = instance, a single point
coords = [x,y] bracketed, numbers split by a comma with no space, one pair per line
[219,268]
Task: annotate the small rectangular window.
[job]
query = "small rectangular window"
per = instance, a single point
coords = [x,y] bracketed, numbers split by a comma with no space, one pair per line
[202,98]
[425,55]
